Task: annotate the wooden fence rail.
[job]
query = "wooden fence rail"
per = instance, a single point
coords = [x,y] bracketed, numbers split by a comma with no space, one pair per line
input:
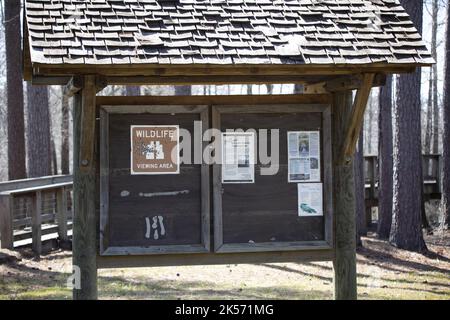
[33,209]
[432,183]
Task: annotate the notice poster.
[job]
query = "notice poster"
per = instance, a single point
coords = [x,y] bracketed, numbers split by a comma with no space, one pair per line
[238,157]
[303,156]
[155,150]
[310,199]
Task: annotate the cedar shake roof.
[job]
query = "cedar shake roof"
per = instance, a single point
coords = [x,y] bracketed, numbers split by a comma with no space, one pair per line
[311,32]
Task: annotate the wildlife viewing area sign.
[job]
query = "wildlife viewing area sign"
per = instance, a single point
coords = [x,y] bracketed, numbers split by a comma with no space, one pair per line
[154,150]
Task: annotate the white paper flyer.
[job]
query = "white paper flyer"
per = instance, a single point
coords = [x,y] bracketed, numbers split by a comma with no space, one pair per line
[310,199]
[238,157]
[304,156]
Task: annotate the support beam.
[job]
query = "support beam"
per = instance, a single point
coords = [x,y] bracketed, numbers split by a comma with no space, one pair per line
[61,213]
[74,85]
[84,189]
[6,222]
[36,223]
[356,119]
[344,263]
[353,83]
[87,134]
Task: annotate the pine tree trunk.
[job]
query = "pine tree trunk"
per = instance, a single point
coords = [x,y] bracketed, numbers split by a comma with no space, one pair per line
[385,161]
[358,166]
[406,229]
[435,12]
[133,90]
[429,119]
[445,201]
[16,126]
[182,90]
[65,156]
[38,132]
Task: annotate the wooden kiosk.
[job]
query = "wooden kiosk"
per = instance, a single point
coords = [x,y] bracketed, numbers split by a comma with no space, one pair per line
[128,212]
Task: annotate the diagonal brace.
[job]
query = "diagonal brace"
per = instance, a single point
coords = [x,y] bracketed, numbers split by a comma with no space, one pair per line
[357,116]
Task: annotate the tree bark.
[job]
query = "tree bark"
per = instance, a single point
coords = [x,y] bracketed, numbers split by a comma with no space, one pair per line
[429,119]
[65,156]
[385,161]
[38,132]
[183,90]
[435,12]
[360,207]
[15,97]
[445,201]
[406,229]
[133,90]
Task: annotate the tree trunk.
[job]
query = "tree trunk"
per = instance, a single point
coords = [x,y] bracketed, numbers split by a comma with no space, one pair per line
[38,132]
[435,12]
[406,230]
[385,161]
[16,126]
[65,157]
[54,157]
[360,207]
[133,90]
[183,90]
[445,201]
[429,119]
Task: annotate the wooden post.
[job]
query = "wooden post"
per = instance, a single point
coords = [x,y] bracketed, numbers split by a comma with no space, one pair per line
[344,263]
[84,189]
[61,213]
[36,223]
[6,222]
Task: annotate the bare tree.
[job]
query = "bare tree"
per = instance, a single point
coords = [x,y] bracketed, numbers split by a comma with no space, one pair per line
[385,161]
[38,132]
[16,126]
[445,202]
[358,167]
[133,90]
[406,229]
[182,90]
[434,89]
[65,153]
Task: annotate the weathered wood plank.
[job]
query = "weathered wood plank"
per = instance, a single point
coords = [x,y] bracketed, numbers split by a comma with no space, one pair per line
[353,83]
[213,70]
[6,222]
[34,182]
[213,259]
[36,222]
[217,100]
[344,204]
[84,219]
[61,213]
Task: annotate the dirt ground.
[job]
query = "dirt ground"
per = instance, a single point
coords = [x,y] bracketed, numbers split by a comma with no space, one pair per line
[384,272]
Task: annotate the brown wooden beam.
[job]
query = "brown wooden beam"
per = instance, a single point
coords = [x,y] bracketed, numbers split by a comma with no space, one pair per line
[219,99]
[87,134]
[357,116]
[353,83]
[85,194]
[261,71]
[207,80]
[344,264]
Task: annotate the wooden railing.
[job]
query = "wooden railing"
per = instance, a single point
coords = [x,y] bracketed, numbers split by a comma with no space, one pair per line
[33,209]
[432,170]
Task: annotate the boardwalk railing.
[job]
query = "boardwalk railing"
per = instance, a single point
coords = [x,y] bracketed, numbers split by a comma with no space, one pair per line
[34,209]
